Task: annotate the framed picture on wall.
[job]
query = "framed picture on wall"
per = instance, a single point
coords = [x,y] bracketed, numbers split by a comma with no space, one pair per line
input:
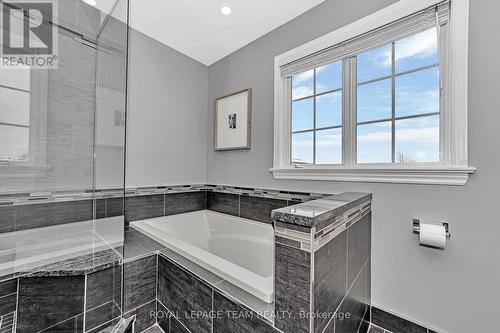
[233,121]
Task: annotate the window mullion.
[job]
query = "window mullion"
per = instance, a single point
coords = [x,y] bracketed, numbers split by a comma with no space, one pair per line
[314,116]
[349,111]
[393,102]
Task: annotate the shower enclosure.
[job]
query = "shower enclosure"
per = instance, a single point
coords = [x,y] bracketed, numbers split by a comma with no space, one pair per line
[62,157]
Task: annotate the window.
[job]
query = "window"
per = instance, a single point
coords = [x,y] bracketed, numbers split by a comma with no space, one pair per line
[317,115]
[398,101]
[377,100]
[23,122]
[15,114]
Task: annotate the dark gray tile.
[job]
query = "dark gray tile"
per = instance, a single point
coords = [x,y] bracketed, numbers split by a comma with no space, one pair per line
[292,288]
[153,329]
[145,316]
[359,242]
[143,207]
[191,267]
[394,323]
[106,327]
[138,244]
[182,293]
[8,219]
[103,287]
[236,319]
[223,203]
[365,324]
[100,208]
[139,282]
[375,329]
[47,214]
[102,314]
[351,312]
[177,327]
[72,325]
[114,207]
[8,304]
[163,317]
[8,322]
[8,287]
[259,209]
[330,265]
[57,298]
[178,203]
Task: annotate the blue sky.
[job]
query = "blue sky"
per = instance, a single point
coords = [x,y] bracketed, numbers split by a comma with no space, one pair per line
[417,140]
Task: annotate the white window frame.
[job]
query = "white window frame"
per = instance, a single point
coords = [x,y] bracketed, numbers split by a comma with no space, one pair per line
[454,169]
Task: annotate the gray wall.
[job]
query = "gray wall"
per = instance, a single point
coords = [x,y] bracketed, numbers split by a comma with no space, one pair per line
[167,115]
[454,291]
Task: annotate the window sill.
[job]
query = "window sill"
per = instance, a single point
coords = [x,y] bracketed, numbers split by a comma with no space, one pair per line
[19,170]
[416,175]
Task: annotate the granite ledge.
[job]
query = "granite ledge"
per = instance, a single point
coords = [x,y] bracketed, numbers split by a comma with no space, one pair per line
[319,212]
[81,265]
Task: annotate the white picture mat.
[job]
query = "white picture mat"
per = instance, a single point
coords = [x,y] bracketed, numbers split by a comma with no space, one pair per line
[227,138]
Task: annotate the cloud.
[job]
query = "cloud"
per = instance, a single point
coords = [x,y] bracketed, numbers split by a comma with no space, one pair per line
[404,135]
[302,91]
[297,79]
[329,140]
[411,102]
[421,45]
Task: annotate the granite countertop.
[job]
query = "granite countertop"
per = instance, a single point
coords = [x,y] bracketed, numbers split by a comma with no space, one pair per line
[81,265]
[316,212]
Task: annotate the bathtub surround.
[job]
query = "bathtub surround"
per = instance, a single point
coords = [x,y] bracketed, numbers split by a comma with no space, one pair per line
[315,272]
[322,264]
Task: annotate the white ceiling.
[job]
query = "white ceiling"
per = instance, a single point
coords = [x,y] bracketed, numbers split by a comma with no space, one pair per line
[197,29]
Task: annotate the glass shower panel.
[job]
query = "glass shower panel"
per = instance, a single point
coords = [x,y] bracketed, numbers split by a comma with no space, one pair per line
[62,142]
[110,120]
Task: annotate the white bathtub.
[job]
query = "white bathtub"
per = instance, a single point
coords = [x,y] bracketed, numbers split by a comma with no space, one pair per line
[238,250]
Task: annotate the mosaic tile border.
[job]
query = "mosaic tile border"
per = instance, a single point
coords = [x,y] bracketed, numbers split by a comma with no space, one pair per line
[305,241]
[24,198]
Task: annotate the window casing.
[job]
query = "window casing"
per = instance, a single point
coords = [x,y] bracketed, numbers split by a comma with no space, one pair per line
[436,155]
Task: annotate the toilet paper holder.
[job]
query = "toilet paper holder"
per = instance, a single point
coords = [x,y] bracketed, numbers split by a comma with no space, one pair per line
[416,226]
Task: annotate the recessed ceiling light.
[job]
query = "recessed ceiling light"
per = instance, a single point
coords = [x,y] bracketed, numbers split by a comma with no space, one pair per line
[90,2]
[225,10]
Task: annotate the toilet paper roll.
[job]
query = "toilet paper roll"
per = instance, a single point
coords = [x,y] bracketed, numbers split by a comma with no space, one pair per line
[432,235]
